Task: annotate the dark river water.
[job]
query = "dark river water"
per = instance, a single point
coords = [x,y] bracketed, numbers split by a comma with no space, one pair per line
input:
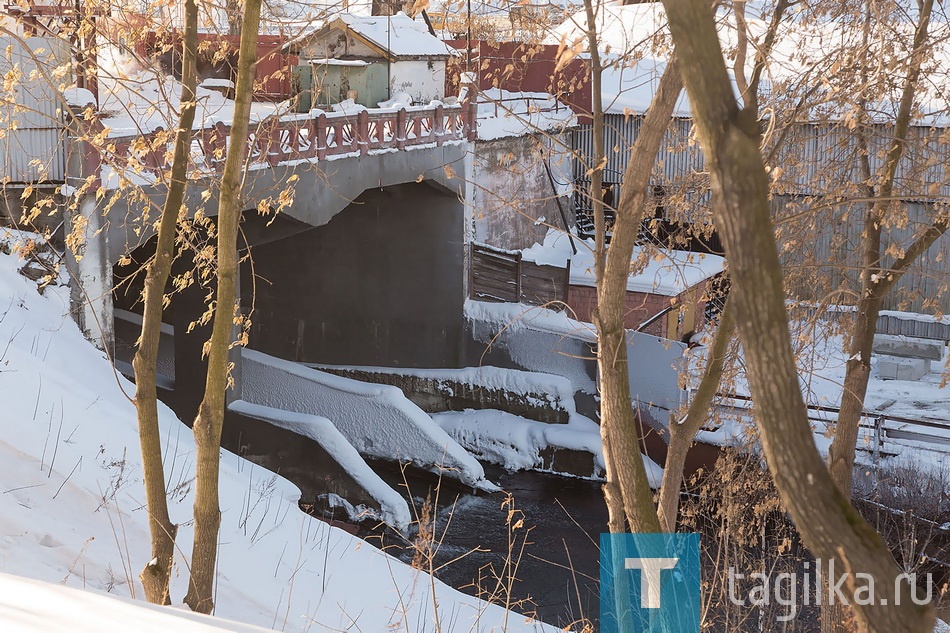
[555,549]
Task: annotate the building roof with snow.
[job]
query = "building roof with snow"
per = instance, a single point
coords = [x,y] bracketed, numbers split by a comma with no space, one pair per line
[394,37]
[638,34]
[661,272]
[503,114]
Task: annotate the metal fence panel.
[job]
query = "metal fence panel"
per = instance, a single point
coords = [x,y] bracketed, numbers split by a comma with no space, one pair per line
[33,145]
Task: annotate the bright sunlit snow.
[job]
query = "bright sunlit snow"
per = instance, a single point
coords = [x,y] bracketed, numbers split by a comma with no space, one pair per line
[71,508]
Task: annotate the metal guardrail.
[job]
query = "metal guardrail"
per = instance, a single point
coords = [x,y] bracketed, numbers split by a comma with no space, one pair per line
[879,427]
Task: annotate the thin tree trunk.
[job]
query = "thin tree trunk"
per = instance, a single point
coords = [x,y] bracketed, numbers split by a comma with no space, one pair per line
[837,618]
[841,454]
[830,527]
[210,418]
[600,154]
[618,423]
[616,522]
[156,575]
[234,16]
[683,431]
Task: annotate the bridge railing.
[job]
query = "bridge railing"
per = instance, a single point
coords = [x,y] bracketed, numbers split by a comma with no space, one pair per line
[277,140]
[878,432]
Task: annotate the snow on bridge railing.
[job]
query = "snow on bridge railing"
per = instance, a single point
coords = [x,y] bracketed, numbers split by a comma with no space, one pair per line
[307,137]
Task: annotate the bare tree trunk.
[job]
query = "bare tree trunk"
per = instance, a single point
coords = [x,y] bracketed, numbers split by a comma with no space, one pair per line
[155,577]
[234,16]
[875,281]
[684,430]
[617,420]
[210,418]
[600,153]
[830,527]
[616,522]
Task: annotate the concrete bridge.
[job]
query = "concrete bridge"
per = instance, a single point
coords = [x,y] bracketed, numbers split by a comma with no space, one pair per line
[327,160]
[346,153]
[365,265]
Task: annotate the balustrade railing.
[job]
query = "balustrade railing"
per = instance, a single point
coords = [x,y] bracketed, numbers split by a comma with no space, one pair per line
[277,140]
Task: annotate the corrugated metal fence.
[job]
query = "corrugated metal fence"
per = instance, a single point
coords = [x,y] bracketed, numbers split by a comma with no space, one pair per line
[815,159]
[32,148]
[903,324]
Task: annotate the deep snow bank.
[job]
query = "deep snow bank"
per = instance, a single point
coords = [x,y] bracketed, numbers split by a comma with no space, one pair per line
[71,510]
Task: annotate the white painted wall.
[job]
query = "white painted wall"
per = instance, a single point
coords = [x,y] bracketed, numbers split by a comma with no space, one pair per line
[512,201]
[424,80]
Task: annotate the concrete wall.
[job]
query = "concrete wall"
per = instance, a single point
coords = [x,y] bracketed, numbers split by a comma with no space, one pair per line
[424,80]
[381,284]
[513,199]
[509,335]
[377,420]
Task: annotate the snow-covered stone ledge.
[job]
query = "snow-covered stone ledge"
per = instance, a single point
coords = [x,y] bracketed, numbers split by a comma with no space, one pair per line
[533,395]
[390,506]
[378,420]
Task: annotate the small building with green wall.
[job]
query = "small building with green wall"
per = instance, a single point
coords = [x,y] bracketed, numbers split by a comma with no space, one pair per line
[369,59]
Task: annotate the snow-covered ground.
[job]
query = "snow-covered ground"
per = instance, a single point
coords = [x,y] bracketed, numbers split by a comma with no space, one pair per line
[824,366]
[25,608]
[71,502]
[822,360]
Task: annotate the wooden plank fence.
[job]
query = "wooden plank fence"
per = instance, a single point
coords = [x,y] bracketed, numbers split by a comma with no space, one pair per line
[502,276]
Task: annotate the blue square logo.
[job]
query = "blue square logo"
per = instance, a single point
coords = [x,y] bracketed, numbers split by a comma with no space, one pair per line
[649,582]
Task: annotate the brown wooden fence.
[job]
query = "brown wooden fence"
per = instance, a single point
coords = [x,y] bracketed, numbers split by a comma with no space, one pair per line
[502,276]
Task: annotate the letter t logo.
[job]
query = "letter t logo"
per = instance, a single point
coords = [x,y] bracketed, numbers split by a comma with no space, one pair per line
[650,569]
